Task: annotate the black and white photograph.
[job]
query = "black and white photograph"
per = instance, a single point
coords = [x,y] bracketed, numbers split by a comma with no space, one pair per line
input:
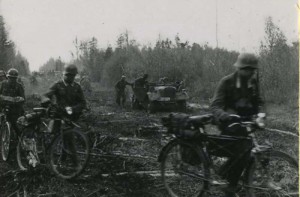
[149,98]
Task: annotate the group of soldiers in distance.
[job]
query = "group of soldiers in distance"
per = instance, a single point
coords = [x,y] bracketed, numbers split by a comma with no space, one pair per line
[141,82]
[237,93]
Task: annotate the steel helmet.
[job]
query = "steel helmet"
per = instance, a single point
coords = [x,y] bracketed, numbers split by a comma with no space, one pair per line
[246,60]
[12,73]
[71,69]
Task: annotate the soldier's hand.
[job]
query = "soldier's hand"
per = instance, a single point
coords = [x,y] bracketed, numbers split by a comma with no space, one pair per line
[69,110]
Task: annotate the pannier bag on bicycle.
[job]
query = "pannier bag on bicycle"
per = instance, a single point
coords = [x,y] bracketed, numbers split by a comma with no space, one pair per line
[178,124]
[28,120]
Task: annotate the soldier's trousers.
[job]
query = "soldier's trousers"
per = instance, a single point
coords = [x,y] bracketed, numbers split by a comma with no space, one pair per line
[121,98]
[69,148]
[236,164]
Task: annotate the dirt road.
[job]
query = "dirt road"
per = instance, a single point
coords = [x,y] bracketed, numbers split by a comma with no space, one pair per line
[125,146]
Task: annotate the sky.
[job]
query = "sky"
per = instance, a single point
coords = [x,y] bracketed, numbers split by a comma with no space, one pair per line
[47,28]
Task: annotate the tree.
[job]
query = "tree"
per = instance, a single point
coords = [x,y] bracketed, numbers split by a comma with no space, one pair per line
[279,75]
[8,56]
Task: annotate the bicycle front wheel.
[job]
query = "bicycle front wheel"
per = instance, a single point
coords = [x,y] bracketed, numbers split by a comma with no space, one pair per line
[183,170]
[69,154]
[273,173]
[5,141]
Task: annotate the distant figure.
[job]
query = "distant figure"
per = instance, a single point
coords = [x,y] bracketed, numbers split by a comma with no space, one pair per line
[141,82]
[20,81]
[179,85]
[33,80]
[120,90]
[163,80]
[86,85]
[2,76]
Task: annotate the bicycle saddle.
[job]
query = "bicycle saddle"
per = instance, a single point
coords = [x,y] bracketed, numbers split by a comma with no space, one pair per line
[200,119]
[39,109]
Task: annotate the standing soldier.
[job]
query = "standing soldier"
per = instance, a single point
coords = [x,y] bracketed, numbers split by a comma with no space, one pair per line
[86,85]
[141,82]
[2,76]
[120,90]
[12,95]
[67,94]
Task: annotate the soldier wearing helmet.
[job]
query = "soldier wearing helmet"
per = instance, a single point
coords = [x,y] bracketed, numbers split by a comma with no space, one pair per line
[68,95]
[120,90]
[67,92]
[237,95]
[12,95]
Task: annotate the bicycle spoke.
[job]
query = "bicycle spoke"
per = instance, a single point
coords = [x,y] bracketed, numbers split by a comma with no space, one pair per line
[69,154]
[181,176]
[274,175]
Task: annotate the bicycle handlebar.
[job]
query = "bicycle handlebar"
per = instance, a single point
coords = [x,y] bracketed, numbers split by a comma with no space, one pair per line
[17,99]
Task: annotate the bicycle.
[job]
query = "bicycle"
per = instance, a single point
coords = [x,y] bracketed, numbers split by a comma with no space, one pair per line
[269,172]
[61,143]
[5,134]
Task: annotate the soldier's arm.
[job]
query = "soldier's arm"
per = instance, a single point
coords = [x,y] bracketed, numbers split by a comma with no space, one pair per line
[52,91]
[258,99]
[21,94]
[51,94]
[81,102]
[1,88]
[218,104]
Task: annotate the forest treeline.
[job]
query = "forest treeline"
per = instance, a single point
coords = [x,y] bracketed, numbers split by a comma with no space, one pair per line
[199,66]
[9,56]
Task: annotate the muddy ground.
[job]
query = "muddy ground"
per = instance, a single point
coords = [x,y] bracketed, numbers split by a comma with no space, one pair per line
[131,140]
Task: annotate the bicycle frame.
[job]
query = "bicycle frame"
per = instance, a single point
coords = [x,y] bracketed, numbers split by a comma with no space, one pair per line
[39,130]
[203,141]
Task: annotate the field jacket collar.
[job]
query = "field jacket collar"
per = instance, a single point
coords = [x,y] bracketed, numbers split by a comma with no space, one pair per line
[238,81]
[66,84]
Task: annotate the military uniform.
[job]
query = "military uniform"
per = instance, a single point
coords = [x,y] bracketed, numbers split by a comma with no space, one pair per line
[16,109]
[68,95]
[233,97]
[236,94]
[120,91]
[140,82]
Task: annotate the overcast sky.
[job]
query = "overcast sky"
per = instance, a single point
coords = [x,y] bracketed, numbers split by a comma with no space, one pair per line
[46,28]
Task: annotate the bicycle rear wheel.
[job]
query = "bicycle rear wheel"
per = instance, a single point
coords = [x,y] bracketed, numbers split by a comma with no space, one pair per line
[6,136]
[273,174]
[183,175]
[69,154]
[22,155]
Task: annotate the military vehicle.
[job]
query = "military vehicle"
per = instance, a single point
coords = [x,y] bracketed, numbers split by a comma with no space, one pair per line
[159,97]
